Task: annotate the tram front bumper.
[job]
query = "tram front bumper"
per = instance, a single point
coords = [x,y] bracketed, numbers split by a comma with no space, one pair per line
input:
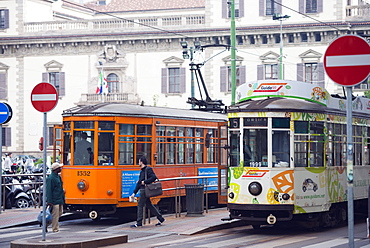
[261,213]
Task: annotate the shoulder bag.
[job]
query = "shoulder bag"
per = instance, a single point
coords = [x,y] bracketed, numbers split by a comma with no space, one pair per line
[153,189]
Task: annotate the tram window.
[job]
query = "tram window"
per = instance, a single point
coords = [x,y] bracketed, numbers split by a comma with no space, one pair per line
[106,148]
[189,152]
[316,127]
[66,125]
[281,148]
[316,154]
[160,153]
[126,129]
[280,122]
[84,124]
[181,154]
[300,154]
[144,149]
[106,125]
[255,147]
[301,127]
[144,130]
[211,151]
[126,153]
[83,140]
[235,149]
[199,134]
[67,148]
[161,131]
[357,145]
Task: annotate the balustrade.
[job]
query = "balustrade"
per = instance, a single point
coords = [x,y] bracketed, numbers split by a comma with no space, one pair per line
[358,12]
[129,24]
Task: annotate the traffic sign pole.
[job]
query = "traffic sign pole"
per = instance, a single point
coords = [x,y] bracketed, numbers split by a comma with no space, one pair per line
[44,98]
[1,165]
[350,169]
[6,114]
[44,183]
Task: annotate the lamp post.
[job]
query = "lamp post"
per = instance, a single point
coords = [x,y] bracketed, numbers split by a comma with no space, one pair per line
[281,19]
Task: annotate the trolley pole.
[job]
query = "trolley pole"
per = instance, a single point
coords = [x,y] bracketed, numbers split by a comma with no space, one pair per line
[233,52]
[350,168]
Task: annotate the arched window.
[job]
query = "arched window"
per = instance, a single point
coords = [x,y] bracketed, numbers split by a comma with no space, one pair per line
[113,83]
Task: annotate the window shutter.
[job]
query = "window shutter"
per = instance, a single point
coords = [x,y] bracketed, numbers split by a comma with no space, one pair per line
[7,136]
[3,88]
[320,6]
[321,75]
[260,72]
[182,80]
[241,8]
[223,78]
[300,72]
[262,8]
[301,6]
[62,87]
[278,7]
[225,8]
[164,80]
[242,78]
[45,77]
[6,18]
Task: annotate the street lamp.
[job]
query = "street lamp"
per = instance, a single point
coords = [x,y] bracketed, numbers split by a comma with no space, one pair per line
[281,19]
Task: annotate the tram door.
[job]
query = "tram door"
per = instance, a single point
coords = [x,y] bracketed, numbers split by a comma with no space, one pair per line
[281,142]
[57,142]
[222,168]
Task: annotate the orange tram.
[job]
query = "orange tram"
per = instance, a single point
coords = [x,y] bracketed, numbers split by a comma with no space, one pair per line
[101,145]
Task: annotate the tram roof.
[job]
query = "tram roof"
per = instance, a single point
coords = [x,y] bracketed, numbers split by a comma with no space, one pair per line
[278,104]
[288,95]
[124,109]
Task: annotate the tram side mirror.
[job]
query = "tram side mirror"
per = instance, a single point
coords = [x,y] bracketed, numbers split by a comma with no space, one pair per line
[208,139]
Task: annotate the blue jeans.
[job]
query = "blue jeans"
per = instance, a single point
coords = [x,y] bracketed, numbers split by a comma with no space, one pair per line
[144,201]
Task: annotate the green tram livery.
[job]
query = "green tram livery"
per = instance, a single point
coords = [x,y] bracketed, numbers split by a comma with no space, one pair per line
[288,154]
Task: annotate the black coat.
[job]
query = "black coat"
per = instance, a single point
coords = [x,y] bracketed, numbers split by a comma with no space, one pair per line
[151,177]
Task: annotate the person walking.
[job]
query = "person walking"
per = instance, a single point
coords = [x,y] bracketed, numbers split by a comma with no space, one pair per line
[55,194]
[146,176]
[8,163]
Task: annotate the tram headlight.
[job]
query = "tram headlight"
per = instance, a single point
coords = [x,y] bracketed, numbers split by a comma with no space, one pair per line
[255,188]
[83,185]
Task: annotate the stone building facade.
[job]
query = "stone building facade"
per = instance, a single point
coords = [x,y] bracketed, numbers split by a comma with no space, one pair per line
[136,46]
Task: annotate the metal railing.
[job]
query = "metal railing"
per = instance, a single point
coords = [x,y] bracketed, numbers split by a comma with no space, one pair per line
[34,185]
[178,189]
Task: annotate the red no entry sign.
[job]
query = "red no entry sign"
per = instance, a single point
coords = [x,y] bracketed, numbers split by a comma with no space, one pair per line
[44,97]
[347,60]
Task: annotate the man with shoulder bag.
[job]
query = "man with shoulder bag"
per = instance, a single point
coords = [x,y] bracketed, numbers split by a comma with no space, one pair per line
[147,176]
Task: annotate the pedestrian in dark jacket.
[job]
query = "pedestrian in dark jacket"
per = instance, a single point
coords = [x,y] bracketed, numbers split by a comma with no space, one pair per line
[146,176]
[55,194]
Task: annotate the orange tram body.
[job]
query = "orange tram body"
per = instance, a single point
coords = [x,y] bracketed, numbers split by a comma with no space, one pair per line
[101,145]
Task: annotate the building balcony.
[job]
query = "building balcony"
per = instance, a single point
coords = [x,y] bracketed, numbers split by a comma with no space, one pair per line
[88,99]
[114,25]
[358,12]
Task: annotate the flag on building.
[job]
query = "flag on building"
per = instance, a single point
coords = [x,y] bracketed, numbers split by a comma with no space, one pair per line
[102,87]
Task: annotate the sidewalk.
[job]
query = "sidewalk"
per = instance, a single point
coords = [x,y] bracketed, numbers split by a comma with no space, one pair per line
[19,216]
[114,235]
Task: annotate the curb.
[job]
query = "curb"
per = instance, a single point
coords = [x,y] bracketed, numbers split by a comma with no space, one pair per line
[65,240]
